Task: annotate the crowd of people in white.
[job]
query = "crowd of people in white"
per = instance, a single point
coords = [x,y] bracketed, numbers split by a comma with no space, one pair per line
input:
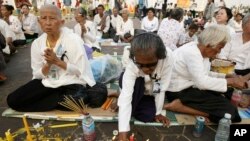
[172,52]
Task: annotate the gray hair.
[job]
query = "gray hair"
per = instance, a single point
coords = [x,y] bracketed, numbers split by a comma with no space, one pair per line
[246,19]
[51,8]
[177,14]
[213,35]
[147,41]
[125,10]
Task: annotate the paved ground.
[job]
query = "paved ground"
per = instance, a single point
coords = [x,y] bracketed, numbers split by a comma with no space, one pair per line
[19,72]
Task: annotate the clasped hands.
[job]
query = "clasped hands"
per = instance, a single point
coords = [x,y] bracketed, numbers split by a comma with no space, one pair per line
[50,57]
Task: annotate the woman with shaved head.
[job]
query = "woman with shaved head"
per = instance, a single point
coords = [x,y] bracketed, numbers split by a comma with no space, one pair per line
[59,66]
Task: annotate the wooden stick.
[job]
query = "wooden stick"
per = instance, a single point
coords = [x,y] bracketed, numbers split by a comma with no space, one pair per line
[105,103]
[109,103]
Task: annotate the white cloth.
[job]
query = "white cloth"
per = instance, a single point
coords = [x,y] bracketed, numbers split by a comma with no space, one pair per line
[89,37]
[150,26]
[5,29]
[230,30]
[125,27]
[78,68]
[115,20]
[191,69]
[163,71]
[237,26]
[30,23]
[170,32]
[16,27]
[7,33]
[186,38]
[97,20]
[237,51]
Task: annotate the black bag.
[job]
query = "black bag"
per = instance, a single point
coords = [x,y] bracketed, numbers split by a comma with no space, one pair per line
[116,38]
[127,35]
[2,41]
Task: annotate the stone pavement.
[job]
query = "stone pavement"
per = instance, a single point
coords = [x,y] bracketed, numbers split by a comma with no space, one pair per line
[19,72]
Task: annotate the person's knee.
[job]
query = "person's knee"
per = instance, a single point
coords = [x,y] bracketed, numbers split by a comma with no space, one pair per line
[12,101]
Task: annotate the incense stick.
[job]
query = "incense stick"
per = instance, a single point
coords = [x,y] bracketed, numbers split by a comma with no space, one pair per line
[70,103]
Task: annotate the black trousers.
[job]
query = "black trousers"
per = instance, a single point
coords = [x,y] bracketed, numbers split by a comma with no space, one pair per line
[35,97]
[143,106]
[211,102]
[28,36]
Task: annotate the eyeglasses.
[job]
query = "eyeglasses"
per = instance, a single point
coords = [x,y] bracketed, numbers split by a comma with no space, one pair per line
[150,65]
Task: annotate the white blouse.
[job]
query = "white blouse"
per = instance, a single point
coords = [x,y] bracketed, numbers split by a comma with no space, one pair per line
[16,27]
[163,71]
[170,32]
[150,26]
[30,23]
[97,20]
[89,37]
[237,51]
[192,70]
[125,27]
[78,68]
[115,20]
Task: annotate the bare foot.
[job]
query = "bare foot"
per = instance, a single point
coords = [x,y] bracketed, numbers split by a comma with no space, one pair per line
[174,105]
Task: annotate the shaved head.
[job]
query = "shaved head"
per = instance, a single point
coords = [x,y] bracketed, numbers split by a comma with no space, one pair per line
[50,7]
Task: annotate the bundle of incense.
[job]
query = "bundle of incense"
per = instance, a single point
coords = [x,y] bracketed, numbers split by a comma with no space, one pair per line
[76,106]
[107,103]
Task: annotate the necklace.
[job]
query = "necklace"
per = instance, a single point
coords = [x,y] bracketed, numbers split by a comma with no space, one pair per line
[48,44]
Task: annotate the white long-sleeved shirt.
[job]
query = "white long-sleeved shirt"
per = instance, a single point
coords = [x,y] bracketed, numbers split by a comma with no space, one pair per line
[115,20]
[30,23]
[170,32]
[89,37]
[78,69]
[16,27]
[191,69]
[125,27]
[150,26]
[237,51]
[163,71]
[97,20]
[5,29]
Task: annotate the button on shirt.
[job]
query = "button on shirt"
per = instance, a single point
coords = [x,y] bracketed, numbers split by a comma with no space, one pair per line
[192,70]
[163,71]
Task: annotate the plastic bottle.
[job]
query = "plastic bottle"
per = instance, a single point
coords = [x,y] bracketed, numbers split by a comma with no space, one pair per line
[223,130]
[88,126]
[236,97]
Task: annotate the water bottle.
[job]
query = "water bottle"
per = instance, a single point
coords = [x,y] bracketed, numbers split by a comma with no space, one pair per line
[88,126]
[223,130]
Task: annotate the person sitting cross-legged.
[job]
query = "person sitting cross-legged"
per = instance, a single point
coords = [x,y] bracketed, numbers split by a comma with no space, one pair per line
[193,88]
[59,67]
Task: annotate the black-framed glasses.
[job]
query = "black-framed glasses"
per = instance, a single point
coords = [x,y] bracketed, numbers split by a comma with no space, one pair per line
[149,65]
